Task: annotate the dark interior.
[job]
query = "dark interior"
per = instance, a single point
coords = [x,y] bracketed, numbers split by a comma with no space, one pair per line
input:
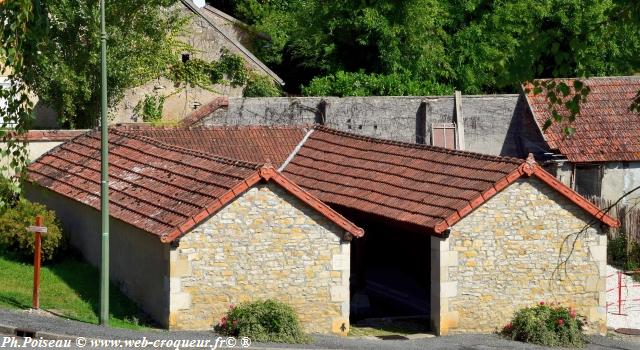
[389,270]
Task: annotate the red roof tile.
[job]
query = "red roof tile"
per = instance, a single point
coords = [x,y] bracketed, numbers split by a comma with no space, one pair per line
[48,135]
[422,186]
[159,188]
[248,143]
[606,129]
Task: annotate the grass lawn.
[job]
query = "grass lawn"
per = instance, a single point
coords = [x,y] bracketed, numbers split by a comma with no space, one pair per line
[68,288]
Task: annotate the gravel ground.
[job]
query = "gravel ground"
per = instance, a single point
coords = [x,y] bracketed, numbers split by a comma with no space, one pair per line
[51,327]
[630,307]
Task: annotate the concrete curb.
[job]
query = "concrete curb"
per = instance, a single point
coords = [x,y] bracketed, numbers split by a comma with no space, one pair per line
[7,330]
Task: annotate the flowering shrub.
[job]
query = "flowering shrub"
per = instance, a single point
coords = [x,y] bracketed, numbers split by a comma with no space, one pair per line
[263,321]
[549,325]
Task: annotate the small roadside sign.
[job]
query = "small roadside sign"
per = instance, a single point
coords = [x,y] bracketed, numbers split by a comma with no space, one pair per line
[40,229]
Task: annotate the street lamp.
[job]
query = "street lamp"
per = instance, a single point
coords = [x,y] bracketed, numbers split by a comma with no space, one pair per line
[104,170]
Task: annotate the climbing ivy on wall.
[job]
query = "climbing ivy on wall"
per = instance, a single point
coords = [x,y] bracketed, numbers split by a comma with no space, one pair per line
[195,72]
[150,108]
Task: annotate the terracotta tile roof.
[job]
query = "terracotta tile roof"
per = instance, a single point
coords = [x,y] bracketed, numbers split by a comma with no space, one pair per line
[159,188]
[605,130]
[248,143]
[49,135]
[422,186]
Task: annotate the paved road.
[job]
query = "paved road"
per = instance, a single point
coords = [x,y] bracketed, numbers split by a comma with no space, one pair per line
[50,327]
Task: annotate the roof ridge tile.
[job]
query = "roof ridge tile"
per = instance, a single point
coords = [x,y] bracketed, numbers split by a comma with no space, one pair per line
[418,146]
[178,149]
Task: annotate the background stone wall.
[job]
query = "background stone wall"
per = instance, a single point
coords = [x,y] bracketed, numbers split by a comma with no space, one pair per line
[265,244]
[491,122]
[502,257]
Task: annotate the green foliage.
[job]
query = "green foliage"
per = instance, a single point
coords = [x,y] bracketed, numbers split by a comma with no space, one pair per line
[261,86]
[546,325]
[564,99]
[263,321]
[623,254]
[475,46]
[22,25]
[203,74]
[9,193]
[15,237]
[64,73]
[635,106]
[232,67]
[363,84]
[150,108]
[195,72]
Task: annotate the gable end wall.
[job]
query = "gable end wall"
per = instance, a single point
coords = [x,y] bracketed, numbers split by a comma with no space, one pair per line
[264,244]
[502,257]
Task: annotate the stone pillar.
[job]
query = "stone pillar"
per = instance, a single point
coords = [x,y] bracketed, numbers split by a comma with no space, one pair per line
[179,267]
[442,289]
[341,263]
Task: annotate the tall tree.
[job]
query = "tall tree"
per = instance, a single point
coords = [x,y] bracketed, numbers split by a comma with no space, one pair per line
[64,74]
[22,25]
[473,45]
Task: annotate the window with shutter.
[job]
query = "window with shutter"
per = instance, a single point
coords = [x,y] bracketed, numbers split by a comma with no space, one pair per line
[443,135]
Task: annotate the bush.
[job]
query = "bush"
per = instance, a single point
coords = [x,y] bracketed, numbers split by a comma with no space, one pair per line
[372,84]
[15,237]
[263,321]
[547,325]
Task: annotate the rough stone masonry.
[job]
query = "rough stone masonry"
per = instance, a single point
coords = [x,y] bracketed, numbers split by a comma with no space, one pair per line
[265,244]
[504,255]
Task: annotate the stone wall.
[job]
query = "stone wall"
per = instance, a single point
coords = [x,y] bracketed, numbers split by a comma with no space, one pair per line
[502,257]
[265,244]
[491,122]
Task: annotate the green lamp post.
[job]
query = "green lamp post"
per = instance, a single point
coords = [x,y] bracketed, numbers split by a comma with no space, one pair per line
[104,169]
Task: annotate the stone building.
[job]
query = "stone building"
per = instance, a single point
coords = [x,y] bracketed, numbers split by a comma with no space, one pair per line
[474,224]
[461,238]
[192,233]
[602,157]
[209,31]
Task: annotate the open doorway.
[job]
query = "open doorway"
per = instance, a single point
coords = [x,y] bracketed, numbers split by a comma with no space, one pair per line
[390,270]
